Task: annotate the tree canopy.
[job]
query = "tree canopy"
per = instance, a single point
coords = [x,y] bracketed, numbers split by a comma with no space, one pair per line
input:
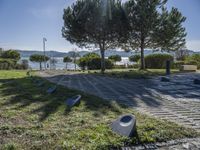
[135,24]
[115,58]
[151,25]
[95,23]
[134,58]
[67,59]
[11,54]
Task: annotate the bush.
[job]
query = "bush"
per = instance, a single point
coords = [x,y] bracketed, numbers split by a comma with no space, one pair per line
[119,66]
[91,55]
[134,58]
[11,54]
[157,61]
[177,64]
[7,64]
[115,58]
[193,60]
[93,61]
[136,66]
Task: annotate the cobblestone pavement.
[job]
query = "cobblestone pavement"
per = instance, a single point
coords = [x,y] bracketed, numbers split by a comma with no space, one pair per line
[178,100]
[183,144]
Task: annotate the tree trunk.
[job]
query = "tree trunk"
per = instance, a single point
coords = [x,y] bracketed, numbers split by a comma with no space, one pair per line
[102,60]
[142,67]
[66,65]
[75,63]
[40,66]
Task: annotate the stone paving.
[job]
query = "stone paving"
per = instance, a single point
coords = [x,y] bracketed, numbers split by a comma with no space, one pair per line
[178,100]
[183,144]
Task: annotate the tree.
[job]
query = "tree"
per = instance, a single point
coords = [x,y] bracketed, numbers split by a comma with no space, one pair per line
[181,55]
[11,54]
[1,51]
[74,54]
[134,58]
[95,23]
[67,59]
[115,58]
[91,55]
[195,57]
[24,64]
[86,60]
[39,59]
[53,63]
[152,26]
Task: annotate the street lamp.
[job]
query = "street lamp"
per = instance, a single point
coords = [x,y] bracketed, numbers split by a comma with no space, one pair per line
[44,40]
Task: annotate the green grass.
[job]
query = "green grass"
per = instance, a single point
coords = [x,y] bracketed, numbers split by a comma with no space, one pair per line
[32,119]
[134,73]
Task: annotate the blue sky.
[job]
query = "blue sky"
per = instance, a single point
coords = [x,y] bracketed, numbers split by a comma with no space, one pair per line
[23,23]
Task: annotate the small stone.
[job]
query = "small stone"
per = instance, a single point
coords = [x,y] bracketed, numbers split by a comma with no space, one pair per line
[186,145]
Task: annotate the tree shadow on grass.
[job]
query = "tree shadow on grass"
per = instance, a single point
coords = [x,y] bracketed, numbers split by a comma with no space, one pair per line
[118,90]
[22,93]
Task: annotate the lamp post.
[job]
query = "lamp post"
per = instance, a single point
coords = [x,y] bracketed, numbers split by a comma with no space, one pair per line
[44,40]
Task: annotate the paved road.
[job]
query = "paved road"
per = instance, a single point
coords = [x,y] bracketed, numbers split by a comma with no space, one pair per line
[178,100]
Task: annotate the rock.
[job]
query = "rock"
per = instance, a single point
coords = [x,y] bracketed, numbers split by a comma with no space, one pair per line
[125,125]
[186,145]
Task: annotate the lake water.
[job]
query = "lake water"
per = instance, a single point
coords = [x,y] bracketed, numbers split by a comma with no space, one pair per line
[61,65]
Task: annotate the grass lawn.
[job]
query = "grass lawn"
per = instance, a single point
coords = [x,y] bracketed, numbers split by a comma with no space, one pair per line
[32,119]
[135,73]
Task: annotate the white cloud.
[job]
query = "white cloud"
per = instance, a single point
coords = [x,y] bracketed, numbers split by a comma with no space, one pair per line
[193,45]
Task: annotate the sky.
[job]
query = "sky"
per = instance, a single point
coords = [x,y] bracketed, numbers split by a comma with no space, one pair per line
[24,23]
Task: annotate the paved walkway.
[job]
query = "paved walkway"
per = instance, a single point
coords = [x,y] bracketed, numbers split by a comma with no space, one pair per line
[178,100]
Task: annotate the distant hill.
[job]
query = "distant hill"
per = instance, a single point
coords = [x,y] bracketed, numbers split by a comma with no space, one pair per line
[108,53]
[25,53]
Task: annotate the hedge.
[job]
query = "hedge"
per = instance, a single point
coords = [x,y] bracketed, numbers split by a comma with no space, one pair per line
[95,63]
[157,61]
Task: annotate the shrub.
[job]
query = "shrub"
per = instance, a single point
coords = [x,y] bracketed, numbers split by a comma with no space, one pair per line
[11,54]
[91,55]
[157,61]
[7,64]
[136,66]
[193,60]
[119,66]
[177,64]
[82,63]
[93,61]
[134,58]
[115,58]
